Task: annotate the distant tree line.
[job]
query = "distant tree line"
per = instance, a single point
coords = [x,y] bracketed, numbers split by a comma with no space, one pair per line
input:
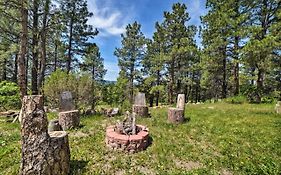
[240,52]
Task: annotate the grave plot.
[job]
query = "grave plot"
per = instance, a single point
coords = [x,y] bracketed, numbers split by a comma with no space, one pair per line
[176,115]
[139,106]
[68,116]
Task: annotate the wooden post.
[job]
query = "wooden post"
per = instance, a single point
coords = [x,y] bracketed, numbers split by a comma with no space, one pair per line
[41,153]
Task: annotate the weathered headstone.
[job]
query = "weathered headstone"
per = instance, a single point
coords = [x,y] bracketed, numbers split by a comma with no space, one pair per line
[139,106]
[66,101]
[181,101]
[42,152]
[278,107]
[140,99]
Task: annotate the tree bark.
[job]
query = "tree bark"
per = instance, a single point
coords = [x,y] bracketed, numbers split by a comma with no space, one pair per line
[224,80]
[21,61]
[236,67]
[69,119]
[15,75]
[172,81]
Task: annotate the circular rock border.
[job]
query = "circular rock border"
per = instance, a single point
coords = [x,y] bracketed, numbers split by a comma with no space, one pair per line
[127,143]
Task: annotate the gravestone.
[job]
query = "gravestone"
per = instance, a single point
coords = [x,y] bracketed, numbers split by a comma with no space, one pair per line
[140,99]
[68,116]
[278,107]
[41,152]
[66,101]
[139,106]
[181,101]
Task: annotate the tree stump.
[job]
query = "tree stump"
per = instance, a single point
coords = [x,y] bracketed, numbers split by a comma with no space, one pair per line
[278,107]
[176,115]
[41,153]
[54,126]
[141,110]
[69,119]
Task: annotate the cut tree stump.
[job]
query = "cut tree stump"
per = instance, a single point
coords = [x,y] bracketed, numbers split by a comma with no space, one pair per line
[176,115]
[69,119]
[141,110]
[41,153]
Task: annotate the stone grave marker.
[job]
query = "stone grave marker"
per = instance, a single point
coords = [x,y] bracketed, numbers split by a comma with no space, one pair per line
[140,99]
[66,101]
[139,106]
[181,101]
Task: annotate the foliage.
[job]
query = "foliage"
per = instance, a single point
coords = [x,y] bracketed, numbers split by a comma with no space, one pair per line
[80,87]
[236,99]
[9,96]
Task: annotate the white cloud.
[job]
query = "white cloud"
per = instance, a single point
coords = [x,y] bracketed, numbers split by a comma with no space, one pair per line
[107,18]
[112,70]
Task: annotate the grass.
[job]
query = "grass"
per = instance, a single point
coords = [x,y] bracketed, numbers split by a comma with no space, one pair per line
[220,138]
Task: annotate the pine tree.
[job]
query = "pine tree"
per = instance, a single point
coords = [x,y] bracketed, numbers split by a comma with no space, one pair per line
[130,54]
[75,15]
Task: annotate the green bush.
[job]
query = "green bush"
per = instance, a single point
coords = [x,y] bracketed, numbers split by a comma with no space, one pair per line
[79,85]
[9,96]
[240,99]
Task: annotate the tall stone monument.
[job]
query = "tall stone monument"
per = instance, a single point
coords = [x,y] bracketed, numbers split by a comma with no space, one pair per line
[139,106]
[41,152]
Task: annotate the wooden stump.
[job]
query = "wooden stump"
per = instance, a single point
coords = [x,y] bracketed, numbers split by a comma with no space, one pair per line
[41,153]
[29,103]
[176,115]
[141,110]
[54,126]
[69,119]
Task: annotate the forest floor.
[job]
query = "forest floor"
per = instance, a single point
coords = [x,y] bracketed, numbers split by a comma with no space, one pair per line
[220,138]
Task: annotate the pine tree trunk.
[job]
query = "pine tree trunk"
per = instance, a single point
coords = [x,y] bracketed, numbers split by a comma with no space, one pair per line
[34,72]
[15,75]
[171,83]
[224,80]
[21,61]
[236,67]
[69,57]
[260,84]
[43,47]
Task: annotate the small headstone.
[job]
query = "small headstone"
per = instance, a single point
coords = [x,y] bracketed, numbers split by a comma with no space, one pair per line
[181,101]
[140,99]
[66,101]
[278,107]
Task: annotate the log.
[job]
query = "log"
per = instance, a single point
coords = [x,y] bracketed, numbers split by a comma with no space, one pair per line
[41,153]
[176,115]
[69,119]
[54,125]
[141,110]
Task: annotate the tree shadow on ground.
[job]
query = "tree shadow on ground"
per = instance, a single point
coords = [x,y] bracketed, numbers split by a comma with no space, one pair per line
[77,166]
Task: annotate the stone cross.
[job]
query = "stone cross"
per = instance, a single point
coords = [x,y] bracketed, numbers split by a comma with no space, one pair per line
[66,101]
[181,101]
[140,99]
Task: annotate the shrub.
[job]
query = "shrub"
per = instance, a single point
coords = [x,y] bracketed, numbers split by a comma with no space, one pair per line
[9,96]
[240,99]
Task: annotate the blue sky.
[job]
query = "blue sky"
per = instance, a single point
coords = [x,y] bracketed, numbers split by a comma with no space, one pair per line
[112,16]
